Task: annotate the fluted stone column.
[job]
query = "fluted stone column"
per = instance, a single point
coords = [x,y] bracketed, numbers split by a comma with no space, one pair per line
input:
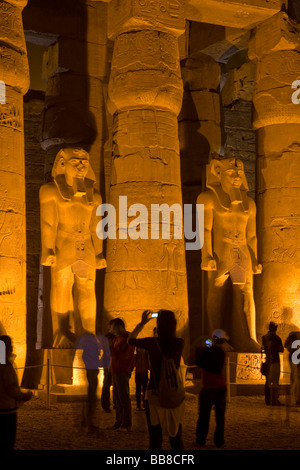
[15,75]
[275,49]
[145,96]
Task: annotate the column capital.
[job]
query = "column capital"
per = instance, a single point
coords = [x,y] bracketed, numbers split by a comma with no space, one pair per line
[130,15]
[275,47]
[14,70]
[279,33]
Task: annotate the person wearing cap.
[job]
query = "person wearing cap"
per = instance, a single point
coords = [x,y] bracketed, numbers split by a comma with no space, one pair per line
[211,359]
[272,346]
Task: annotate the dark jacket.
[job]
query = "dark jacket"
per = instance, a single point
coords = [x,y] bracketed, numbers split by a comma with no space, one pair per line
[272,346]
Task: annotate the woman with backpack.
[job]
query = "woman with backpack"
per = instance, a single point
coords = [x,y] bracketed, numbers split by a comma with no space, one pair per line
[165,393]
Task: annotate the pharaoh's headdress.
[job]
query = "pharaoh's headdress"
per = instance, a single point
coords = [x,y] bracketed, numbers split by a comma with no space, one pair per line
[58,173]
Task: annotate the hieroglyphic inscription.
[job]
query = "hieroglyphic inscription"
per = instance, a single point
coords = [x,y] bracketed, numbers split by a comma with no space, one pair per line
[286,231]
[164,9]
[248,367]
[10,116]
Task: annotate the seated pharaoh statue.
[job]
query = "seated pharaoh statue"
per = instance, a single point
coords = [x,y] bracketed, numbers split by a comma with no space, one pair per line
[229,253]
[70,245]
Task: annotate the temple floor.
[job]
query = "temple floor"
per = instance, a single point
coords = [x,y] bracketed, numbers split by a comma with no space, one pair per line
[249,425]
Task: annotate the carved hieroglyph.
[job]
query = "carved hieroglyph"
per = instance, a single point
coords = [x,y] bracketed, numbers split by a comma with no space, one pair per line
[275,49]
[15,77]
[70,244]
[229,253]
[144,96]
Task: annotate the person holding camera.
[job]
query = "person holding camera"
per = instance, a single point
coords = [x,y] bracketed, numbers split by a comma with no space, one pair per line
[11,397]
[160,419]
[212,360]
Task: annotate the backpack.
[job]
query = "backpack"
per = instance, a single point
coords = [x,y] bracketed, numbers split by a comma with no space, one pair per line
[170,390]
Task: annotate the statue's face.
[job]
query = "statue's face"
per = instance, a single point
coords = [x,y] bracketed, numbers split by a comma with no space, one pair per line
[231,178]
[76,163]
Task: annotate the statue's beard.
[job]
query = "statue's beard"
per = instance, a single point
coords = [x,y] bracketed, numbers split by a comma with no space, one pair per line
[78,186]
[235,195]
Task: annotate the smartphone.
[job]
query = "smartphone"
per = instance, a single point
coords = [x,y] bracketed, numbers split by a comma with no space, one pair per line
[154,315]
[208,343]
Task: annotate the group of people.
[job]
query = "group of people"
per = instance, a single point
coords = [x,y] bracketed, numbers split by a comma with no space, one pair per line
[127,352]
[120,351]
[272,347]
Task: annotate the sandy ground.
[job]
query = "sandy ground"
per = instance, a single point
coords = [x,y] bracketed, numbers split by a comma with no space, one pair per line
[250,425]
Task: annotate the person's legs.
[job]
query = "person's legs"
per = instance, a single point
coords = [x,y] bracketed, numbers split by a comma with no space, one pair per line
[176,442]
[155,432]
[206,400]
[105,393]
[144,387]
[297,391]
[268,384]
[124,399]
[119,411]
[8,424]
[274,375]
[92,377]
[220,407]
[138,389]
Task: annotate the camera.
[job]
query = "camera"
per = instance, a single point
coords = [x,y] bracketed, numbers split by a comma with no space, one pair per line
[154,315]
[208,343]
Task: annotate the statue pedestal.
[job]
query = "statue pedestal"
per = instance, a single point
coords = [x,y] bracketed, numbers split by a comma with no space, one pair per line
[64,376]
[245,376]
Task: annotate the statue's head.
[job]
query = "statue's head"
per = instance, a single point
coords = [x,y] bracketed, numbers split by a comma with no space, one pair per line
[229,173]
[73,163]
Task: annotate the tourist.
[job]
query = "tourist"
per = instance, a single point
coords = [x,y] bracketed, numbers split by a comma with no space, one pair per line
[95,354]
[121,366]
[294,364]
[161,420]
[107,379]
[272,346]
[212,360]
[11,397]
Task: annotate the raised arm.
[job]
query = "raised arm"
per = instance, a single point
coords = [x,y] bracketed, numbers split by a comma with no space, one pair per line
[97,242]
[49,221]
[208,262]
[252,238]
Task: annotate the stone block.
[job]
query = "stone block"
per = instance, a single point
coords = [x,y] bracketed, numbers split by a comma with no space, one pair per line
[201,138]
[218,42]
[76,56]
[200,106]
[200,73]
[11,26]
[239,84]
[233,13]
[42,19]
[14,70]
[278,33]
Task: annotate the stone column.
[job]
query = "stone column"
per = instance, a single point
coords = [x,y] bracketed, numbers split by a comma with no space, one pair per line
[200,136]
[15,75]
[275,49]
[145,96]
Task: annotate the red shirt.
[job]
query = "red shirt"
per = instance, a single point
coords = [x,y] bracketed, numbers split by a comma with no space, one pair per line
[122,355]
[211,380]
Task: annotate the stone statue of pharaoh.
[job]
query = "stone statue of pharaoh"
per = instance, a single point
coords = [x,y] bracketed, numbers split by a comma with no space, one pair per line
[229,253]
[70,245]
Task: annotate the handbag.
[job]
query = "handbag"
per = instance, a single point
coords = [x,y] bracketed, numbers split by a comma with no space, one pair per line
[264,368]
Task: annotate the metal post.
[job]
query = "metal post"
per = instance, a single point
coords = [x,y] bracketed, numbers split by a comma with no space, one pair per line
[48,379]
[228,378]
